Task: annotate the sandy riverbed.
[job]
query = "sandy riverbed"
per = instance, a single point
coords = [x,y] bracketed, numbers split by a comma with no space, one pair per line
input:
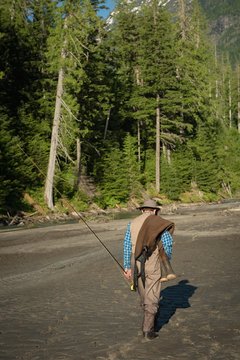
[63,297]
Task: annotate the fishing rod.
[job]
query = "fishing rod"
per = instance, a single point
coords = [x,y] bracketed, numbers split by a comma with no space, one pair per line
[78,214]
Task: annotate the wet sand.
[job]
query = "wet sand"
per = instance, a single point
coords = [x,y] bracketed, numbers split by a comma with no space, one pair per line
[63,297]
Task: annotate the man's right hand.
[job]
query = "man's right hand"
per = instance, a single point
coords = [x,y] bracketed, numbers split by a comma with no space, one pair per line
[128,274]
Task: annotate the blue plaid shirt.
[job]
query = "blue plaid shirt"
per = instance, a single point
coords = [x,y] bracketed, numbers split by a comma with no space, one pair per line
[166,238]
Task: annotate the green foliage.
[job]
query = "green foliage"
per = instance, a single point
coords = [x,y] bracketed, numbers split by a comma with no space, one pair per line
[177,175]
[114,79]
[80,201]
[37,194]
[157,60]
[220,13]
[149,167]
[206,160]
[114,184]
[16,171]
[228,149]
[65,182]
[131,166]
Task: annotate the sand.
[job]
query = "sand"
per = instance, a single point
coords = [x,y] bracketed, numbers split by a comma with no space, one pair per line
[63,297]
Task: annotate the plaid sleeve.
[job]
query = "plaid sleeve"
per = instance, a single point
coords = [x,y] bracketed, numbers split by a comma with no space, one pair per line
[127,249]
[167,241]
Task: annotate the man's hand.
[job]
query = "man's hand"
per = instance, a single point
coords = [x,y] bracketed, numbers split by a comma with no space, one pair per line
[128,274]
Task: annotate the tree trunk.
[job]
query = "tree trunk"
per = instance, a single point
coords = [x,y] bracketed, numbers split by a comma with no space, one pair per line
[139,144]
[158,146]
[230,103]
[48,193]
[12,10]
[78,164]
[238,95]
[239,116]
[106,125]
[166,153]
[182,15]
[139,82]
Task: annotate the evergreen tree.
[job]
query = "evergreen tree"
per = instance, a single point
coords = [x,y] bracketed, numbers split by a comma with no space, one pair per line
[131,167]
[71,43]
[228,151]
[194,69]
[22,71]
[123,43]
[16,172]
[158,67]
[113,183]
[178,175]
[205,153]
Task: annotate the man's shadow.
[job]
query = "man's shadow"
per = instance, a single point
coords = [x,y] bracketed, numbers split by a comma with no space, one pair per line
[173,298]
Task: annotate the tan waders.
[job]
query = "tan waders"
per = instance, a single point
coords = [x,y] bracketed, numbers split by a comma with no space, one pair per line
[149,296]
[144,231]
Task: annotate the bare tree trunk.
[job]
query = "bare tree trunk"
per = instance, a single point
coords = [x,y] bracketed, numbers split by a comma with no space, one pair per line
[106,125]
[238,95]
[48,193]
[12,10]
[198,36]
[139,82]
[222,97]
[182,15]
[217,92]
[230,103]
[158,146]
[215,54]
[139,144]
[169,156]
[166,153]
[239,116]
[78,164]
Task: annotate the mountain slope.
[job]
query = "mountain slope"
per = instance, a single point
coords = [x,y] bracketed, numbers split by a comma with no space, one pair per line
[223,17]
[224,20]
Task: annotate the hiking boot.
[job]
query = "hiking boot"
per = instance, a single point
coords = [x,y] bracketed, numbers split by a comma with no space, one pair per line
[149,335]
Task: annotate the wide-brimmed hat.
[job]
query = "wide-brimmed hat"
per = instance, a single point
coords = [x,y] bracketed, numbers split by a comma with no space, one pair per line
[150,203]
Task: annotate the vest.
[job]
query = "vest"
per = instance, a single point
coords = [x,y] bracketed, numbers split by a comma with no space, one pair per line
[145,232]
[150,231]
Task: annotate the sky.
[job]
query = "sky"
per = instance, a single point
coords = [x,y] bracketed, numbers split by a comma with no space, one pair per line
[110,4]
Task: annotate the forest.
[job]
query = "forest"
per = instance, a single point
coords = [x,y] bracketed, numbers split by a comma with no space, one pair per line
[106,112]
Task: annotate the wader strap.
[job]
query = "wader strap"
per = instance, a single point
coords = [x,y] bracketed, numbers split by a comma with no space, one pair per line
[136,275]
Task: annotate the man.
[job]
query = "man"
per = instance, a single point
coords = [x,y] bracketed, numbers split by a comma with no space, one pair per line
[145,236]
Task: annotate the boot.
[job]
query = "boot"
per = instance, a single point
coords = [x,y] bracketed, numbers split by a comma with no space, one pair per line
[163,272]
[166,268]
[170,273]
[148,326]
[150,335]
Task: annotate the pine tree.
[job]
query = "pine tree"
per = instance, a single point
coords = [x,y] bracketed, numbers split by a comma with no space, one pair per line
[194,72]
[113,183]
[16,172]
[158,68]
[229,162]
[131,167]
[20,85]
[123,42]
[70,48]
